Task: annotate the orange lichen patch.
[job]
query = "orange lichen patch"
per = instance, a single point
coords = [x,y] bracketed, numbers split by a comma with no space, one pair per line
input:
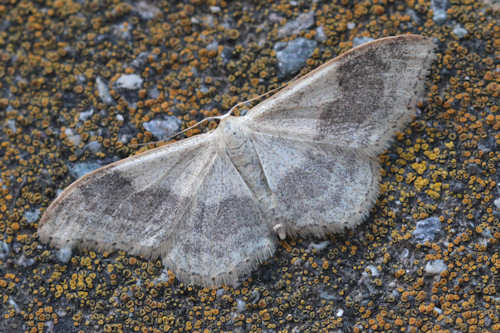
[420,183]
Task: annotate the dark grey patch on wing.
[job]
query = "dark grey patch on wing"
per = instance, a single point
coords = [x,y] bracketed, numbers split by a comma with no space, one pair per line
[151,207]
[226,218]
[220,239]
[361,88]
[103,196]
[93,195]
[104,184]
[305,183]
[109,203]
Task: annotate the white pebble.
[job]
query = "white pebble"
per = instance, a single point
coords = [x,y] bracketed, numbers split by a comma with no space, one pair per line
[373,270]
[74,138]
[102,89]
[459,31]
[129,81]
[318,246]
[435,267]
[241,305]
[64,254]
[497,203]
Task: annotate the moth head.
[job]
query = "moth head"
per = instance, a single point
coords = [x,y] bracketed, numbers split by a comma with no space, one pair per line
[233,129]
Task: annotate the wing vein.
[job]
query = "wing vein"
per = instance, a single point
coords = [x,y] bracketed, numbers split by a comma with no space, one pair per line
[261,166]
[244,181]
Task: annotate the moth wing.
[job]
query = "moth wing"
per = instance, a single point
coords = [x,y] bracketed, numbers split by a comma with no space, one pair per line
[316,188]
[185,202]
[358,100]
[134,204]
[224,236]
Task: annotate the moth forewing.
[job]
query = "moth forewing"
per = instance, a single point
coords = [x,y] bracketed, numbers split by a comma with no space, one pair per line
[359,99]
[102,210]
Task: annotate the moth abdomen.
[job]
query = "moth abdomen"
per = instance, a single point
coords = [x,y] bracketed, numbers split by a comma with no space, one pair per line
[240,149]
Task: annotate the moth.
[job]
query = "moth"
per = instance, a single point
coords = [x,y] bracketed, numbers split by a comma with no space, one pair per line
[302,162]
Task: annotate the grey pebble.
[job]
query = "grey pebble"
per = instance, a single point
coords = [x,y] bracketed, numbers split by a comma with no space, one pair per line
[129,81]
[302,22]
[460,31]
[435,267]
[64,254]
[102,89]
[32,215]
[292,55]
[163,128]
[357,41]
[77,170]
[426,230]
[439,9]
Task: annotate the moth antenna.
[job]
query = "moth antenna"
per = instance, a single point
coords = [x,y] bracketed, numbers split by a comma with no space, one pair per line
[250,100]
[227,114]
[223,116]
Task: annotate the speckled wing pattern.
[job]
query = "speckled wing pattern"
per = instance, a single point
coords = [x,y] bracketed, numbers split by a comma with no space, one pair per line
[301,162]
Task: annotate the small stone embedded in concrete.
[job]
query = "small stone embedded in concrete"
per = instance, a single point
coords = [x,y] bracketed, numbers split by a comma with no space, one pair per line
[129,81]
[374,271]
[460,31]
[318,246]
[303,22]
[122,31]
[102,88]
[357,41]
[80,169]
[497,203]
[11,124]
[427,230]
[146,11]
[85,115]
[435,267]
[439,8]
[413,16]
[32,215]
[140,61]
[327,296]
[127,131]
[320,34]
[153,93]
[25,261]
[14,305]
[214,9]
[64,254]
[4,250]
[220,292]
[73,137]
[292,55]
[241,305]
[93,146]
[163,128]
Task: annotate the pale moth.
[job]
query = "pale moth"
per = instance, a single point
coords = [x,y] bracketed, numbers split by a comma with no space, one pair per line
[302,162]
